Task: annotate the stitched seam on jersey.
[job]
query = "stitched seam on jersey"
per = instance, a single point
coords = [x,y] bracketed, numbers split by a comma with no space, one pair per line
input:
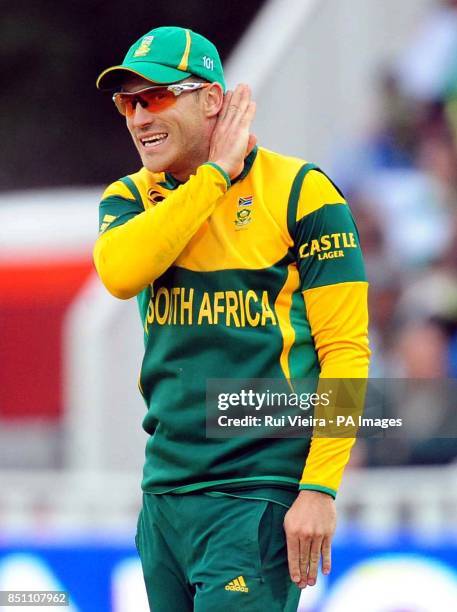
[128,182]
[321,209]
[284,321]
[294,196]
[334,285]
[114,198]
[204,485]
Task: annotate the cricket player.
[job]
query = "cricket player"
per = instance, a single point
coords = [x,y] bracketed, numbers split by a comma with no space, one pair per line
[245,264]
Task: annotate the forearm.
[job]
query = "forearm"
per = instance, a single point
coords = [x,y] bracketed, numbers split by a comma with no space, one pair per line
[133,255]
[325,465]
[339,318]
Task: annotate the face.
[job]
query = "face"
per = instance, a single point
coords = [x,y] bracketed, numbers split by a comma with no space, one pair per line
[184,129]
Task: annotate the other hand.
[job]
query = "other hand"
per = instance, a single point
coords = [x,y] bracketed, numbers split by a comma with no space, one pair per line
[309,525]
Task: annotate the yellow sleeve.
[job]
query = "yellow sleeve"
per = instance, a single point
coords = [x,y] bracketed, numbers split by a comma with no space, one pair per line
[338,316]
[133,255]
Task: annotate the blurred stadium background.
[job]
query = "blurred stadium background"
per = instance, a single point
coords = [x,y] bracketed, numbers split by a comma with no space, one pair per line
[366,89]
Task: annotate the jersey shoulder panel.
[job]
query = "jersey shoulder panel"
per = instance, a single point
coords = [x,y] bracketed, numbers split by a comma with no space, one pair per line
[274,175]
[317,191]
[126,187]
[117,189]
[280,165]
[119,202]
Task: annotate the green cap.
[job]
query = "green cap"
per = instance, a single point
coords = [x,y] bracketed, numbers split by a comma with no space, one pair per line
[166,55]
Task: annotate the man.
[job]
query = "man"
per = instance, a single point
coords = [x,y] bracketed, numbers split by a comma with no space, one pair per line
[246,264]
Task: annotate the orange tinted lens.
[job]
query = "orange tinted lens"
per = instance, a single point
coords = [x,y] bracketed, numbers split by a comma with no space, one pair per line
[123,104]
[154,100]
[158,99]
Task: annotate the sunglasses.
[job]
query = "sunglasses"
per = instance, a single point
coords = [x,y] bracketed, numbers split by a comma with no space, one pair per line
[155,99]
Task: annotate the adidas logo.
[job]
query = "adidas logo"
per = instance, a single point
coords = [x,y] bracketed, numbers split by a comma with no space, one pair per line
[238,584]
[107,220]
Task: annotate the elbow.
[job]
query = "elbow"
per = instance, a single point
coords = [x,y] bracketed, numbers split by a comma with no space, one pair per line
[345,358]
[112,276]
[113,283]
[119,291]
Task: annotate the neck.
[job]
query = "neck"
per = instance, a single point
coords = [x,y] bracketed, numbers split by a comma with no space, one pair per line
[197,155]
[183,176]
[184,173]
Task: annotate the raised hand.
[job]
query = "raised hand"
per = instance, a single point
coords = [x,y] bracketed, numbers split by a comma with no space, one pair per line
[231,140]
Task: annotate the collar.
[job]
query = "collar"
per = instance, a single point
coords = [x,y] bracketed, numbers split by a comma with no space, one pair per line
[171,182]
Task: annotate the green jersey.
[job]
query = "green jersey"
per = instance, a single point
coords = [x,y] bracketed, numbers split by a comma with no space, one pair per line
[266,281]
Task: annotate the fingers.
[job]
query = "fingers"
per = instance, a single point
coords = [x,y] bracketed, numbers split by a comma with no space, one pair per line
[223,112]
[303,557]
[293,558]
[326,556]
[314,558]
[235,105]
[305,547]
[240,101]
[248,114]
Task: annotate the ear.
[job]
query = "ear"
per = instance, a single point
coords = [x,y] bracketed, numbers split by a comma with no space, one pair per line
[213,99]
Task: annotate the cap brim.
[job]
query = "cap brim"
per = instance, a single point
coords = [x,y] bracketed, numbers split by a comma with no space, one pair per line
[112,78]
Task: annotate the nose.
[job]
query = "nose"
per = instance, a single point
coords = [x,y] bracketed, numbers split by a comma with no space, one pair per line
[141,116]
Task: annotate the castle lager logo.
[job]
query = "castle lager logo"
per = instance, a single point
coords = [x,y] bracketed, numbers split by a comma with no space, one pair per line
[329,246]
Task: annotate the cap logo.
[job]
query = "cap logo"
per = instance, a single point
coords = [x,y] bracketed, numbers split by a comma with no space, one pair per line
[144,47]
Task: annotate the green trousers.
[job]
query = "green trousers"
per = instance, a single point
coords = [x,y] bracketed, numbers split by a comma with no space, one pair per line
[208,552]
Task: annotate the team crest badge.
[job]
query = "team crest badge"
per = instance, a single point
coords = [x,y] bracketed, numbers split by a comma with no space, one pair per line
[244,212]
[144,47]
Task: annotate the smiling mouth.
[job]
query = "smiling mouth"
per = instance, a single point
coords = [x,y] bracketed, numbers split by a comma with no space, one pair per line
[154,141]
